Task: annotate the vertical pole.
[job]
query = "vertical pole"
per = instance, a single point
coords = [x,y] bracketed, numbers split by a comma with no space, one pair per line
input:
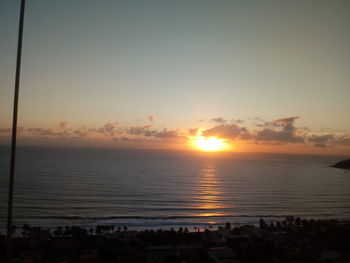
[14,135]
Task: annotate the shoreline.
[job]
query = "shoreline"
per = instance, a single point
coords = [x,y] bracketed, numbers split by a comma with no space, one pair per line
[143,223]
[191,226]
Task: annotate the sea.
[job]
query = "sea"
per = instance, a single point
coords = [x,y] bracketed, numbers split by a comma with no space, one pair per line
[153,189]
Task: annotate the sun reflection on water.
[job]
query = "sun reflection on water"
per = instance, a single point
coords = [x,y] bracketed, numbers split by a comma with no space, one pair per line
[208,194]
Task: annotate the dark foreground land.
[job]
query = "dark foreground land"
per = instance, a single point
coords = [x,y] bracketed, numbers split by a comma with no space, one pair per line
[345,164]
[292,240]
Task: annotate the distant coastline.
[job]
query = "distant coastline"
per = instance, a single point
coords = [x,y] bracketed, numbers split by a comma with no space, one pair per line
[345,164]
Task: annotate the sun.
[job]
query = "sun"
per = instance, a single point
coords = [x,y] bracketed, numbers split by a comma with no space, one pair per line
[209,144]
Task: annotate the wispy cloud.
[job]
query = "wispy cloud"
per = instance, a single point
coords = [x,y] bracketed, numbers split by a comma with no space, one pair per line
[238,121]
[219,120]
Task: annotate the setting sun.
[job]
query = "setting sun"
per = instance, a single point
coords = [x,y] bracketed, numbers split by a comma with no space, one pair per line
[210,144]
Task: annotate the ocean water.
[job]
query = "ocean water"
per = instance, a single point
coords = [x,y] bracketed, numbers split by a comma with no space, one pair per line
[162,189]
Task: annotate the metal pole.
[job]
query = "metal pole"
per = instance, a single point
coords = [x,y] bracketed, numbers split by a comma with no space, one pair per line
[14,135]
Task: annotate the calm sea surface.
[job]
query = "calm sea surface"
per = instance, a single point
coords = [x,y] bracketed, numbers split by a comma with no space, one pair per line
[152,189]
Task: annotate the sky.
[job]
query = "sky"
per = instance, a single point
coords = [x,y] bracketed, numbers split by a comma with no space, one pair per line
[261,75]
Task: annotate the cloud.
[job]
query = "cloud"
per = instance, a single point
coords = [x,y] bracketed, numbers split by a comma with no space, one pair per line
[193,131]
[344,140]
[258,121]
[81,132]
[245,134]
[110,127]
[279,136]
[5,130]
[150,117]
[164,134]
[128,139]
[219,120]
[168,134]
[42,132]
[237,121]
[322,140]
[35,130]
[9,130]
[288,134]
[231,131]
[286,123]
[137,130]
[63,124]
[278,131]
[328,140]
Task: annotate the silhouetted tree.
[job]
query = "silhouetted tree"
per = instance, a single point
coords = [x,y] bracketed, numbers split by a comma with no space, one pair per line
[26,229]
[58,232]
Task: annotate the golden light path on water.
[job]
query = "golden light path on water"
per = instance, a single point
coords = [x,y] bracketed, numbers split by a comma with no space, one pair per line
[208,193]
